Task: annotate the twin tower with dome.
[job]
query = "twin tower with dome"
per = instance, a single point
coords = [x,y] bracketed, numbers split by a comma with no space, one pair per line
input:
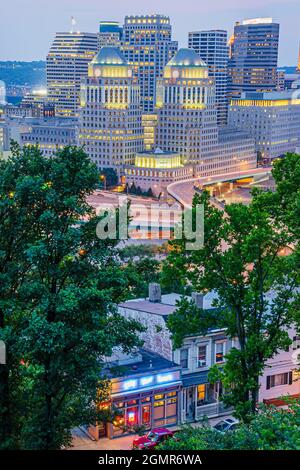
[187,141]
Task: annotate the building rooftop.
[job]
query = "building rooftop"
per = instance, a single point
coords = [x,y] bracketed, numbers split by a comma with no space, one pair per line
[167,305]
[266,96]
[186,58]
[254,21]
[109,55]
[144,361]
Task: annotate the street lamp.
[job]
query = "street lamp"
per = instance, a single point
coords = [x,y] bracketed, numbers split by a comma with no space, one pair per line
[103,179]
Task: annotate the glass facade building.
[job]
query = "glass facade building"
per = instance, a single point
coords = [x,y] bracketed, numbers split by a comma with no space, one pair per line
[67,62]
[147,46]
[212,47]
[254,56]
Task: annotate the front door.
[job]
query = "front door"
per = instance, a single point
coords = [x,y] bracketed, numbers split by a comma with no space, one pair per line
[190,404]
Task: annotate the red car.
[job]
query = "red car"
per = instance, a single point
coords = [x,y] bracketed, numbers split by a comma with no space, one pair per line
[152,439]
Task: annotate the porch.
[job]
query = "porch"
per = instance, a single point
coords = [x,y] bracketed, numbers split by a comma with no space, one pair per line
[200,400]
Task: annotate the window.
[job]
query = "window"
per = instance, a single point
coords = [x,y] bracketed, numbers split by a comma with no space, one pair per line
[279,379]
[184,358]
[202,362]
[220,351]
[201,393]
[296,342]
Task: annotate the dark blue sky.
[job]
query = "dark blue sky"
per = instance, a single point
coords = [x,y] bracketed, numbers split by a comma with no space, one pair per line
[27,26]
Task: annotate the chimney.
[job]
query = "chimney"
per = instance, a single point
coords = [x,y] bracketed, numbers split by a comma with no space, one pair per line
[154,292]
[198,299]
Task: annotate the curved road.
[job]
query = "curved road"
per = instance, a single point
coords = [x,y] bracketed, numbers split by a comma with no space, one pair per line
[183,191]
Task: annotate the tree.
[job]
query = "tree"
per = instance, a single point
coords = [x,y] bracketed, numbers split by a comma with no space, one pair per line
[111,177]
[271,429]
[64,307]
[141,273]
[286,173]
[241,261]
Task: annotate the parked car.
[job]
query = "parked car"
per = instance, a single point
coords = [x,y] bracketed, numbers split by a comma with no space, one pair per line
[227,424]
[152,439]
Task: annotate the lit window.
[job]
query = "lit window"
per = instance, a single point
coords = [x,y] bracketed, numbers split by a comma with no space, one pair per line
[220,351]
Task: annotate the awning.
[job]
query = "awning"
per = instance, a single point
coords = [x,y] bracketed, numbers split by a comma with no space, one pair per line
[197,378]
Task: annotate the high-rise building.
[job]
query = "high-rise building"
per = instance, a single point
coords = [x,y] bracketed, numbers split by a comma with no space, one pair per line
[212,47]
[189,141]
[147,46]
[254,55]
[67,63]
[111,118]
[280,85]
[298,63]
[110,34]
[272,119]
[187,117]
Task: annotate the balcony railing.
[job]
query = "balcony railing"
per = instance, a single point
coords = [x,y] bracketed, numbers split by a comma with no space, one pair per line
[212,409]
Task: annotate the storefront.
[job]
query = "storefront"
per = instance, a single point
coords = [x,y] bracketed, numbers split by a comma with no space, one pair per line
[148,397]
[151,407]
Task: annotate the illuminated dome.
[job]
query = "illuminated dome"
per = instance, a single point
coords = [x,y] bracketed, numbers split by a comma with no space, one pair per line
[186,64]
[109,55]
[109,62]
[186,58]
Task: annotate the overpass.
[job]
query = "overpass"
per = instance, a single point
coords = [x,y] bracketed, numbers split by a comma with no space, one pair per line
[183,191]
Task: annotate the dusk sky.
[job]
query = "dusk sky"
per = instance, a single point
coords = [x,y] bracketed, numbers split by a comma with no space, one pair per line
[27,27]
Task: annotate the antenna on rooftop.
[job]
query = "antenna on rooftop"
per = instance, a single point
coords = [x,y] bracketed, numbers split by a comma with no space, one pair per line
[73,24]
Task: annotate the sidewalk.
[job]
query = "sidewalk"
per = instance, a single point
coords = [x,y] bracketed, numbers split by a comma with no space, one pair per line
[81,441]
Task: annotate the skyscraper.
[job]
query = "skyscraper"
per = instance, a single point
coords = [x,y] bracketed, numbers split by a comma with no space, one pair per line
[110,122]
[253,64]
[212,47]
[67,63]
[298,63]
[147,46]
[187,120]
[110,33]
[187,117]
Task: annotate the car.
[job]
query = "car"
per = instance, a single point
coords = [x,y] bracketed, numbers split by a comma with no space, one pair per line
[227,424]
[152,439]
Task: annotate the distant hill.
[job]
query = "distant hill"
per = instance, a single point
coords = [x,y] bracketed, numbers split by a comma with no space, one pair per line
[23,73]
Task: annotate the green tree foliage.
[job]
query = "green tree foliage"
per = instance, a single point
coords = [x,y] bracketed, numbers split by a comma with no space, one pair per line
[141,273]
[271,429]
[59,286]
[111,177]
[241,261]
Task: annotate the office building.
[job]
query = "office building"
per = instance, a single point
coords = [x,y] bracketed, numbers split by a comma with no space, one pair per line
[111,118]
[280,84]
[147,46]
[290,79]
[187,120]
[254,54]
[110,34]
[298,63]
[212,48]
[50,134]
[272,119]
[149,123]
[156,170]
[67,63]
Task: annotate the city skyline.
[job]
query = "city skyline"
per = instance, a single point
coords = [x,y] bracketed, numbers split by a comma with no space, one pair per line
[32,35]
